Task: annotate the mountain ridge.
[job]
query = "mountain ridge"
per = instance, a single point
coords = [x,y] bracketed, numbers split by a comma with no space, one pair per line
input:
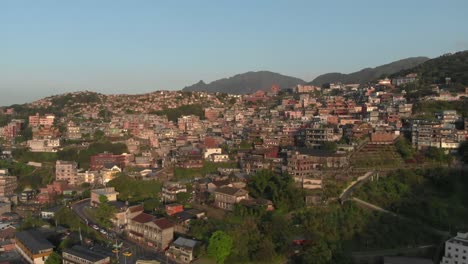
[245,83]
[369,74]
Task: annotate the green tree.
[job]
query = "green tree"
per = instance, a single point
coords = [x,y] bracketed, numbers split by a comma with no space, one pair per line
[220,246]
[54,258]
[105,212]
[183,197]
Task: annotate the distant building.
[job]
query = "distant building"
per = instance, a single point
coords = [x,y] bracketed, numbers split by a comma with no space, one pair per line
[67,171]
[33,247]
[99,161]
[8,185]
[43,145]
[456,250]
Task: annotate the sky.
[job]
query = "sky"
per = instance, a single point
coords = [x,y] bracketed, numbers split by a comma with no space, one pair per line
[111,46]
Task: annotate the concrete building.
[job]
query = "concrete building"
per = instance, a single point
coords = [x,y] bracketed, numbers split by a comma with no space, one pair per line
[182,250]
[8,184]
[156,233]
[43,145]
[67,171]
[227,197]
[456,250]
[315,136]
[33,247]
[108,192]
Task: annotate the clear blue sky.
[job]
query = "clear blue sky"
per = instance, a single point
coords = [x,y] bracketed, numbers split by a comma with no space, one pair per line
[111,46]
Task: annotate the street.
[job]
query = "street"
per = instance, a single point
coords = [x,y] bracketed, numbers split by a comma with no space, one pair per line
[138,251]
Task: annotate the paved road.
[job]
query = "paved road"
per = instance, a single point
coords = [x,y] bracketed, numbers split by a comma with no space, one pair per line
[138,251]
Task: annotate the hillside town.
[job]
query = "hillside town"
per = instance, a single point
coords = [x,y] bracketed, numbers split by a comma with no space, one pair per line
[92,178]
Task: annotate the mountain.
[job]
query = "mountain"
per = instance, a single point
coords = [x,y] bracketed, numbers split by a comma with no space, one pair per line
[436,70]
[245,83]
[369,74]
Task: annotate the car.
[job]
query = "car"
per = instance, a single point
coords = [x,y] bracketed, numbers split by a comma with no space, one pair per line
[103,232]
[95,227]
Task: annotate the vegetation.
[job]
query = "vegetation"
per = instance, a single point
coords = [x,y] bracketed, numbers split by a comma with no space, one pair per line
[436,70]
[208,167]
[463,152]
[105,212]
[28,176]
[32,222]
[428,109]
[174,113]
[435,197]
[83,156]
[404,147]
[278,188]
[220,246]
[53,258]
[134,190]
[24,155]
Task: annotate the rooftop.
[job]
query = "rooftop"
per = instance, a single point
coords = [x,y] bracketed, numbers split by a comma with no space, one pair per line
[34,241]
[185,242]
[85,253]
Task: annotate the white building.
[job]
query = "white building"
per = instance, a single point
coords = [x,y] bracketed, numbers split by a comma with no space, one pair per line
[210,151]
[456,250]
[43,145]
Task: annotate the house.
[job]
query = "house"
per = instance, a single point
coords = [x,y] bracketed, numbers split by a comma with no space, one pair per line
[156,233]
[50,212]
[81,255]
[169,192]
[456,250]
[108,192]
[183,250]
[109,172]
[227,197]
[33,247]
[172,209]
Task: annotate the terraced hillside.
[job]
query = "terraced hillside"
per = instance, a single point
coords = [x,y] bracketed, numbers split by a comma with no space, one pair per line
[377,156]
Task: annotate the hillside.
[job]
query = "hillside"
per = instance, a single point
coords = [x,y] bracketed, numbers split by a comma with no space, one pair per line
[436,70]
[245,83]
[369,74]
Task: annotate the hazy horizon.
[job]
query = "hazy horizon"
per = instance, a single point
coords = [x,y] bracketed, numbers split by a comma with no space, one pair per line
[53,47]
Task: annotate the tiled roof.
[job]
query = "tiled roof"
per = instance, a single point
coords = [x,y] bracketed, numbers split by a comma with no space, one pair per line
[143,218]
[163,223]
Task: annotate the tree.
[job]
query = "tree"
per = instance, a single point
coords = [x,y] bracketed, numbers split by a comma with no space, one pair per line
[98,135]
[220,246]
[183,197]
[105,212]
[463,151]
[329,146]
[53,258]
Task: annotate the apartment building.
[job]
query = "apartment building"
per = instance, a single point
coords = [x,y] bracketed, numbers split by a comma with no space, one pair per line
[67,171]
[315,136]
[8,184]
[456,250]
